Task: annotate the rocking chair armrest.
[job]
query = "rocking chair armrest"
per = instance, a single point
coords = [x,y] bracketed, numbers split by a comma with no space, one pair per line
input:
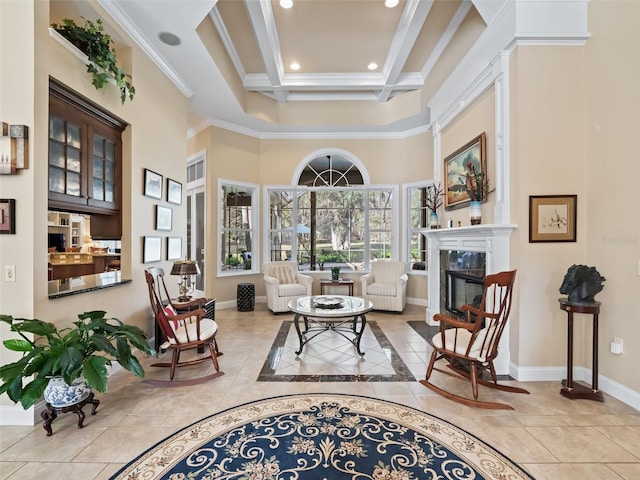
[200,313]
[449,321]
[470,310]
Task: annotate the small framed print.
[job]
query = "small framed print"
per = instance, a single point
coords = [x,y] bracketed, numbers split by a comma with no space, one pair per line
[7,216]
[552,218]
[164,218]
[174,248]
[174,191]
[152,184]
[151,249]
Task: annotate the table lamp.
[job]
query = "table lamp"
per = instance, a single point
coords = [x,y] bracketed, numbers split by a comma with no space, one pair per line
[185,269]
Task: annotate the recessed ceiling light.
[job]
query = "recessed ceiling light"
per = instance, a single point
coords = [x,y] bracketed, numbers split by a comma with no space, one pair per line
[372,66]
[286,3]
[294,66]
[391,3]
[169,39]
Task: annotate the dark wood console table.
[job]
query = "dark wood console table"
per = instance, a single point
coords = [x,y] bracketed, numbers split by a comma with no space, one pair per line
[569,389]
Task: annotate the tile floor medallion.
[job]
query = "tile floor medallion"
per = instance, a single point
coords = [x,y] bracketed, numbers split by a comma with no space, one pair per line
[329,357]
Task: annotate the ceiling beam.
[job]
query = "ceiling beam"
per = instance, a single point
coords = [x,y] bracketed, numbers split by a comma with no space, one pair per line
[263,24]
[413,17]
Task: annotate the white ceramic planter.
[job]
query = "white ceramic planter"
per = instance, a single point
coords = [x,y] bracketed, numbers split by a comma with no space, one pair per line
[59,394]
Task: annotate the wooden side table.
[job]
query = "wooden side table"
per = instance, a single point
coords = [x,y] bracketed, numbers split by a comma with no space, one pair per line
[569,389]
[336,283]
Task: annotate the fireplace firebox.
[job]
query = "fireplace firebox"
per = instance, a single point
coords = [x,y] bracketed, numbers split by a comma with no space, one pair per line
[462,289]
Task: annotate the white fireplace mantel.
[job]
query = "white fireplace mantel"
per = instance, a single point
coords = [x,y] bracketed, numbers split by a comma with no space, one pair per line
[492,239]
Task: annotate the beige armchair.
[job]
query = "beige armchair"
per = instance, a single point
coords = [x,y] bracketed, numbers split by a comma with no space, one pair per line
[283,283]
[386,285]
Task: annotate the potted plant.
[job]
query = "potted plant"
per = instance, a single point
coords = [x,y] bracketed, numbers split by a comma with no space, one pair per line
[91,40]
[433,201]
[477,187]
[335,273]
[84,350]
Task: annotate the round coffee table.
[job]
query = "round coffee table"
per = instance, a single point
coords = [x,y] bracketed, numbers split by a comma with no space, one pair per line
[342,314]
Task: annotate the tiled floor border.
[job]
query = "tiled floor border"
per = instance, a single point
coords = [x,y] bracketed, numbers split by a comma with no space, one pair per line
[268,372]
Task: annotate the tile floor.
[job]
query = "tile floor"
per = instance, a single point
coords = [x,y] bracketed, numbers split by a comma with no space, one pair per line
[550,436]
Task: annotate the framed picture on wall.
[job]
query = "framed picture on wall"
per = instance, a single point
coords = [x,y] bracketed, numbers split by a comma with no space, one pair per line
[552,218]
[152,184]
[164,218]
[174,248]
[174,191]
[151,249]
[7,215]
[457,166]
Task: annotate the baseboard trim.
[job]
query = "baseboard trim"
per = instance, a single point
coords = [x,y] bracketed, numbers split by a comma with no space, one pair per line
[581,374]
[16,415]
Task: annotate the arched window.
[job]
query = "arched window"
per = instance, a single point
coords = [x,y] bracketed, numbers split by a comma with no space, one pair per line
[332,216]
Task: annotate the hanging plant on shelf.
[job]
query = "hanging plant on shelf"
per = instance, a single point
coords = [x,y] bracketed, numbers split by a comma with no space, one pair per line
[97,45]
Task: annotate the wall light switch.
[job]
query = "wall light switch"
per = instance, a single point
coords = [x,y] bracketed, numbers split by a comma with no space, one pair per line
[10,273]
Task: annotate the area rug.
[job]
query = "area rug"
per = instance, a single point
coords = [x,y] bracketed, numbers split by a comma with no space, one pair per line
[321,437]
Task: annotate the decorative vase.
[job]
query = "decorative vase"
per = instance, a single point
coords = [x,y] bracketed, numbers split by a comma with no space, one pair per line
[433,220]
[475,212]
[59,394]
[335,273]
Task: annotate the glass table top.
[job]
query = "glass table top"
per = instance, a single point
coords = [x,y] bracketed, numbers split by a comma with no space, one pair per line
[327,306]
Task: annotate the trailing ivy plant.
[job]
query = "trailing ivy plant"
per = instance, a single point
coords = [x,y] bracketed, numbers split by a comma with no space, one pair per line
[97,45]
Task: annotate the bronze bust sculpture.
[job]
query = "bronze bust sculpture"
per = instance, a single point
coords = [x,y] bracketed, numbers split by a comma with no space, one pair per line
[581,283]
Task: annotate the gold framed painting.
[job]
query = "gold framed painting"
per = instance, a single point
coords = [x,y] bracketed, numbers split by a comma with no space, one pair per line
[456,167]
[552,218]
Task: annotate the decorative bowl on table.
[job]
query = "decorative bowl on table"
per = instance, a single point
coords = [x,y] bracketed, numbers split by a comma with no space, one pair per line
[327,302]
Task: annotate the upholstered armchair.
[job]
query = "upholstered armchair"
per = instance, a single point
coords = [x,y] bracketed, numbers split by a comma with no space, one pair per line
[283,283]
[386,285]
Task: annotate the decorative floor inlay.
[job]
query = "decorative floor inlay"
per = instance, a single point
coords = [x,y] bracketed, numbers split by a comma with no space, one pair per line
[331,358]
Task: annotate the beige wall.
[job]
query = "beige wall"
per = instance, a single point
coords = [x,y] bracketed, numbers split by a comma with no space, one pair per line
[477,118]
[612,227]
[155,139]
[232,156]
[573,132]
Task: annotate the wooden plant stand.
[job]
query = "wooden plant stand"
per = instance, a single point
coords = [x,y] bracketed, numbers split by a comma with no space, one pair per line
[569,388]
[51,413]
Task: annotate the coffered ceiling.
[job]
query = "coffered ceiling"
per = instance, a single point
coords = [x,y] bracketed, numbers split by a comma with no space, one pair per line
[233,59]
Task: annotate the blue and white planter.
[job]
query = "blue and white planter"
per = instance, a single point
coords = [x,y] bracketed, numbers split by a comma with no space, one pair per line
[475,212]
[58,394]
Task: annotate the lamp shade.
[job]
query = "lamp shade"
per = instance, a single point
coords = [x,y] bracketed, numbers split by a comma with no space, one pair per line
[185,268]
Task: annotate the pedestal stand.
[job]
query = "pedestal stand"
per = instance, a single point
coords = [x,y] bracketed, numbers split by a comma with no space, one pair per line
[569,389]
[51,413]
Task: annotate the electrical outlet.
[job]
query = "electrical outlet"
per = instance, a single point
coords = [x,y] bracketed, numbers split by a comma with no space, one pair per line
[10,273]
[617,346]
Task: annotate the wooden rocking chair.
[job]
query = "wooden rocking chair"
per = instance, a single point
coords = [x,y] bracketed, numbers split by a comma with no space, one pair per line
[473,344]
[188,330]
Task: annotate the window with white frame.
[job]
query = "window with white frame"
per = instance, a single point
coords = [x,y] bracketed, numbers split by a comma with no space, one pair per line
[418,223]
[238,221]
[330,218]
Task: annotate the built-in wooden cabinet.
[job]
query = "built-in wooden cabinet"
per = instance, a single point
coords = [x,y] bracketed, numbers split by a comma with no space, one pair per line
[85,155]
